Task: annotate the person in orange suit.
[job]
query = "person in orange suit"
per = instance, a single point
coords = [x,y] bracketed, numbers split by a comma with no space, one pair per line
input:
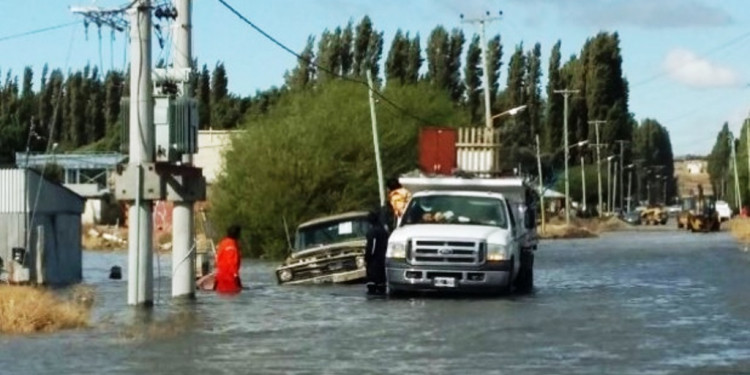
[228,263]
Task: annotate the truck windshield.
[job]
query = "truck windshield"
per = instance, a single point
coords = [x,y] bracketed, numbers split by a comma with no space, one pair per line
[455,209]
[331,232]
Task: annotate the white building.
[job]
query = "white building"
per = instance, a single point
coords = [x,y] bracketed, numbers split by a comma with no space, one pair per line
[211,146]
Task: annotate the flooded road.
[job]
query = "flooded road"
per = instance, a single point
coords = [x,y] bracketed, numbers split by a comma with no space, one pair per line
[625,303]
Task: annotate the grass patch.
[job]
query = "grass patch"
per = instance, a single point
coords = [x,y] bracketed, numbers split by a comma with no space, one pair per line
[25,309]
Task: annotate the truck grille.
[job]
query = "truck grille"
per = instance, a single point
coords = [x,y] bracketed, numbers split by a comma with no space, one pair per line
[453,252]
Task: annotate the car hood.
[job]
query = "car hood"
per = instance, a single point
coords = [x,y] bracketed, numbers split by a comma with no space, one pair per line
[313,251]
[478,232]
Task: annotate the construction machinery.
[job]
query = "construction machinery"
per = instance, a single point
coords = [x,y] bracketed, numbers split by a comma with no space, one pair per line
[654,215]
[703,218]
[687,205]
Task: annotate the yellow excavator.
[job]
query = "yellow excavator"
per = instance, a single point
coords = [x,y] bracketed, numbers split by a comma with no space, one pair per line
[654,215]
[703,218]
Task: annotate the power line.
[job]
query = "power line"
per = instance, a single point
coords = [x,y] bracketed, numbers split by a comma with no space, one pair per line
[38,31]
[312,63]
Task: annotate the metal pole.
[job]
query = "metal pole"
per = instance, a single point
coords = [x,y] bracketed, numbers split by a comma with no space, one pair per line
[614,185]
[541,185]
[583,184]
[375,142]
[609,184]
[566,93]
[140,253]
[183,222]
[622,164]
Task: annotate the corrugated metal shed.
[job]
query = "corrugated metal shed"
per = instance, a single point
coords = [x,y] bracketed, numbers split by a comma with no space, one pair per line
[50,208]
[12,194]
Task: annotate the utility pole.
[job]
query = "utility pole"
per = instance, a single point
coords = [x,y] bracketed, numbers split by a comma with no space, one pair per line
[630,184]
[747,143]
[566,93]
[541,185]
[375,142]
[737,197]
[622,164]
[140,214]
[598,145]
[583,185]
[183,221]
[614,185]
[482,21]
[609,183]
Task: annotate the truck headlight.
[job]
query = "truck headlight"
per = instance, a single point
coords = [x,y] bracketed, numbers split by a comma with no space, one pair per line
[285,275]
[496,252]
[360,261]
[396,250]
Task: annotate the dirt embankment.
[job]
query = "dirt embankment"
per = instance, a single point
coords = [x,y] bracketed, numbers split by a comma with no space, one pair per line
[580,228]
[740,229]
[26,309]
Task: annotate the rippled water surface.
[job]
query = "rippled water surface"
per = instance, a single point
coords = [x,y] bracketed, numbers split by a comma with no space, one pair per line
[626,303]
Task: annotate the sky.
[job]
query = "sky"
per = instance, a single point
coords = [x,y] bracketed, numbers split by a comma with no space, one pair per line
[685,60]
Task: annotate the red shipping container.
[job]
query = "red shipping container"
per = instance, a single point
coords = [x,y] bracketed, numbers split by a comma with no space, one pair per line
[437,150]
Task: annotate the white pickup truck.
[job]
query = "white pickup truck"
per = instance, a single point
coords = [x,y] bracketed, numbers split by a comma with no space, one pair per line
[464,235]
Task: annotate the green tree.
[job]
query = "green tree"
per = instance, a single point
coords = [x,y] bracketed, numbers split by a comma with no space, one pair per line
[554,116]
[719,162]
[414,60]
[346,57]
[396,65]
[473,78]
[300,171]
[303,75]
[534,91]
[494,61]
[203,96]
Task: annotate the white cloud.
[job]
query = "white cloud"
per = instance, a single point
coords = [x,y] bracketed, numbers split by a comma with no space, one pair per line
[690,69]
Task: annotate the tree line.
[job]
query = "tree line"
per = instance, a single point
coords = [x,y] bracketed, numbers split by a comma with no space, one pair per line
[315,127]
[728,172]
[312,153]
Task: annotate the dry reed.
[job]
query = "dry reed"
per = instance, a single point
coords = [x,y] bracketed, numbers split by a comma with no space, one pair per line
[25,309]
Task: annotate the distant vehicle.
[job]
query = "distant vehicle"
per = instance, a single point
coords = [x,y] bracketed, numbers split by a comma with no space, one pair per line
[724,211]
[330,249]
[674,210]
[632,217]
[654,215]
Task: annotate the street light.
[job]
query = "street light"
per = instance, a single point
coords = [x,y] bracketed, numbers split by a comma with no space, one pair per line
[511,112]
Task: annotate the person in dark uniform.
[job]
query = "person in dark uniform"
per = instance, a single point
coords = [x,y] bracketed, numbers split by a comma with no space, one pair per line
[377,244]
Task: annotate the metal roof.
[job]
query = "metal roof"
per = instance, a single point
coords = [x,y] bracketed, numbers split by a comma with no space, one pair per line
[71,161]
[41,194]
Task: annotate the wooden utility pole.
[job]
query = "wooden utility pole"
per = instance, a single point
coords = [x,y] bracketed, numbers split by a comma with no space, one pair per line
[622,164]
[376,143]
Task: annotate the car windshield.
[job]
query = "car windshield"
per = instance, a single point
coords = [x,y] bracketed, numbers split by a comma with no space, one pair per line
[331,232]
[455,209]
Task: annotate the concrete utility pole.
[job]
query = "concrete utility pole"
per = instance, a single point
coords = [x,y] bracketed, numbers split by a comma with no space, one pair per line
[609,182]
[566,93]
[482,21]
[630,184]
[598,145]
[583,184]
[183,221]
[622,163]
[376,143]
[541,185]
[140,223]
[737,197]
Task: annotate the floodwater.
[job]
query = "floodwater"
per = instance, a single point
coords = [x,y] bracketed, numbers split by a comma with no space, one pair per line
[626,303]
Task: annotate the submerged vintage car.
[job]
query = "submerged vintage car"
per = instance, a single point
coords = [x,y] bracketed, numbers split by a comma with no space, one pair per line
[330,249]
